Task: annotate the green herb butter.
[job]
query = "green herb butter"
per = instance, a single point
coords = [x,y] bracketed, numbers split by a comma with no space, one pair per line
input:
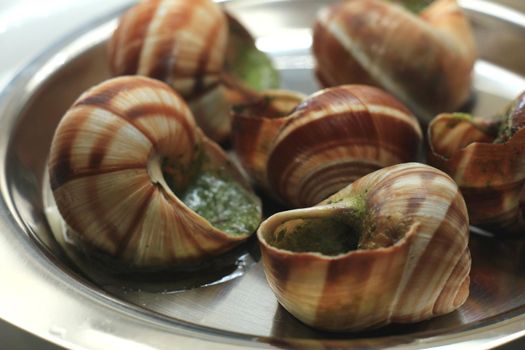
[325,236]
[415,6]
[223,202]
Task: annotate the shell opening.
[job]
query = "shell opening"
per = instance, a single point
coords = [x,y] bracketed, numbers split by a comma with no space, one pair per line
[333,230]
[513,120]
[212,194]
[328,236]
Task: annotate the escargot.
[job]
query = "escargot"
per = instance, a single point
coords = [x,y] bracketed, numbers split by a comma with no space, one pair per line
[392,247]
[424,58]
[486,157]
[205,54]
[302,150]
[139,183]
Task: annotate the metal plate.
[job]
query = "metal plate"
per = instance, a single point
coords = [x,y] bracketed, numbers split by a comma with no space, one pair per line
[46,294]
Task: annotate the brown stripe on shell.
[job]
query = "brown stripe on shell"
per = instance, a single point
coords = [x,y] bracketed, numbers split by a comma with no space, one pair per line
[255,125]
[415,203]
[317,133]
[122,242]
[319,101]
[278,266]
[437,248]
[62,177]
[189,229]
[146,110]
[452,296]
[491,175]
[110,230]
[432,73]
[102,95]
[495,207]
[100,147]
[330,179]
[334,296]
[247,135]
[61,170]
[368,95]
[204,57]
[163,54]
[128,38]
[333,60]
[105,205]
[397,283]
[357,128]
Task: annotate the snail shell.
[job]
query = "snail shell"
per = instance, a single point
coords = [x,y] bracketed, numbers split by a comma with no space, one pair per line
[108,163]
[182,43]
[392,247]
[302,152]
[425,60]
[203,52]
[487,160]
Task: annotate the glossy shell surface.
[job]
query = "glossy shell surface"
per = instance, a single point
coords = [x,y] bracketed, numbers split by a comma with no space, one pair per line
[106,172]
[491,175]
[425,60]
[304,154]
[94,313]
[423,275]
[182,43]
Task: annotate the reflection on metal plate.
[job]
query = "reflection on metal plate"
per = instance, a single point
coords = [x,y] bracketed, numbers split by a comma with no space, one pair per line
[91,310]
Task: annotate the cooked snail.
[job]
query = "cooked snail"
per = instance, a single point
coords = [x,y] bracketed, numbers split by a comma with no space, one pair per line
[392,247]
[425,58]
[486,157]
[304,149]
[137,181]
[204,54]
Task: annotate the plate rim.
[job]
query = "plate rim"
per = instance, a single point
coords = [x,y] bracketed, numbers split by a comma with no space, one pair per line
[13,97]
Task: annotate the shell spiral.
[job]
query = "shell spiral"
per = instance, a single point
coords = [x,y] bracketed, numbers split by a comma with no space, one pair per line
[425,60]
[306,151]
[422,274]
[106,176]
[490,173]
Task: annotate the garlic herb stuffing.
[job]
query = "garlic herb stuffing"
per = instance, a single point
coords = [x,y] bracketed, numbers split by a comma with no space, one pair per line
[390,247]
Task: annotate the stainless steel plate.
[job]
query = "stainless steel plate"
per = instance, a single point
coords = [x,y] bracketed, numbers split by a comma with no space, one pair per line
[43,292]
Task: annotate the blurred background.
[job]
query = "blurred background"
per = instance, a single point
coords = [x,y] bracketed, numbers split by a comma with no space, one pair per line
[27,27]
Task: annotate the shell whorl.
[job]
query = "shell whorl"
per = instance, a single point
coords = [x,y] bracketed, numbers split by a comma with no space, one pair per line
[425,61]
[329,140]
[106,177]
[422,275]
[179,42]
[491,175]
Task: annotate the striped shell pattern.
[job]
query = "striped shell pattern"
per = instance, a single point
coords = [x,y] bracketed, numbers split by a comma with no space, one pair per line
[179,42]
[490,172]
[106,170]
[411,263]
[425,60]
[302,152]
[182,43]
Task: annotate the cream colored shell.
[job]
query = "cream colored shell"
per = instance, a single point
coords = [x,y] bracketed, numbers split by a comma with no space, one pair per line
[179,42]
[423,275]
[303,149]
[425,60]
[106,177]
